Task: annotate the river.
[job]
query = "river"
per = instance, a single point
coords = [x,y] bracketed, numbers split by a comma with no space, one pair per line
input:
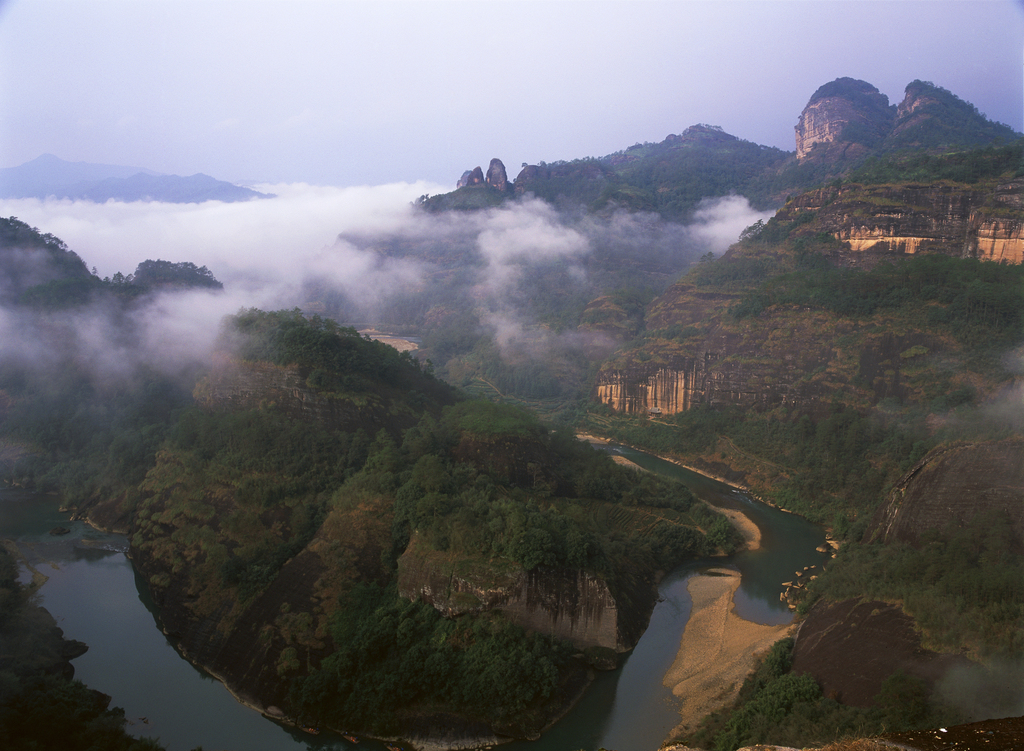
[94,594]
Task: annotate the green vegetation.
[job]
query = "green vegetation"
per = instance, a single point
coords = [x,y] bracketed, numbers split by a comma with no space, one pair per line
[166,273]
[86,440]
[981,304]
[971,167]
[221,502]
[337,358]
[832,470]
[672,179]
[963,584]
[396,655]
[942,120]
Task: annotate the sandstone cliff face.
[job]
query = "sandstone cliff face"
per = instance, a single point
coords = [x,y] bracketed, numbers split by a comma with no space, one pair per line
[882,221]
[785,358]
[566,603]
[953,484]
[836,111]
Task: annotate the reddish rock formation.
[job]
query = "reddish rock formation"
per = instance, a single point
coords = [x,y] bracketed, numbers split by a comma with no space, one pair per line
[474,176]
[496,176]
[882,221]
[839,117]
[851,647]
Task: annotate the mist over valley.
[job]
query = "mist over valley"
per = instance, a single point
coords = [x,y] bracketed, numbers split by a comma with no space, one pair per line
[417,545]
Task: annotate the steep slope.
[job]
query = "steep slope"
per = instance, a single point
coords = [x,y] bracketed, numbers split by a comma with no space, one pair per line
[952,485]
[30,259]
[843,120]
[284,547]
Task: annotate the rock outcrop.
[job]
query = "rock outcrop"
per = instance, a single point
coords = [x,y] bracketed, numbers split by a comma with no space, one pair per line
[883,221]
[565,603]
[783,361]
[496,176]
[952,485]
[474,176]
[851,647]
[848,119]
[843,119]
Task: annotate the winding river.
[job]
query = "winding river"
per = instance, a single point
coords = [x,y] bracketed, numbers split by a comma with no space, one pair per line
[94,594]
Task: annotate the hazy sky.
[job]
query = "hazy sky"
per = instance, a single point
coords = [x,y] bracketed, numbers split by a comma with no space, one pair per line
[363,93]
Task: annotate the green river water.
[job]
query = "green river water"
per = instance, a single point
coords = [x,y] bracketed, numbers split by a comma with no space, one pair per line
[94,594]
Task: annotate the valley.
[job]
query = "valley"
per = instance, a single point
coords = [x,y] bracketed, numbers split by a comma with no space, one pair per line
[414,544]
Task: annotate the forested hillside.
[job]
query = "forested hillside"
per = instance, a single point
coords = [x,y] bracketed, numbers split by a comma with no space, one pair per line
[272,510]
[833,380]
[346,538]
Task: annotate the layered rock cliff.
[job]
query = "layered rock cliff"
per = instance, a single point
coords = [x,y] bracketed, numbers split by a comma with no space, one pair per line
[785,357]
[565,603]
[886,221]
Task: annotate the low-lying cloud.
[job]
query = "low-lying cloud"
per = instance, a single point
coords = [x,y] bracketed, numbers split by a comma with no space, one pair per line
[718,222]
[366,247]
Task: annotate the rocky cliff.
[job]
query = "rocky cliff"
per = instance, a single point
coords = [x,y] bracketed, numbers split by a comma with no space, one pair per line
[952,485]
[846,120]
[843,119]
[851,647]
[565,603]
[785,357]
[884,221]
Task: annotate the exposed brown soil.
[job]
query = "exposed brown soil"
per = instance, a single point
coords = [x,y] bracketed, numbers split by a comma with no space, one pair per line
[851,647]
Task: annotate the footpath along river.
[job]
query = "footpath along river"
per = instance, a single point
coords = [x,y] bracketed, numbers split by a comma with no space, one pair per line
[94,594]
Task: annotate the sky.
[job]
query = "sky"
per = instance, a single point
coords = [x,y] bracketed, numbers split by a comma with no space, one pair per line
[347,93]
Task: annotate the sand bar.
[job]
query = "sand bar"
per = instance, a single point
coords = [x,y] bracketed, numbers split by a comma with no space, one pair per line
[750,531]
[718,649]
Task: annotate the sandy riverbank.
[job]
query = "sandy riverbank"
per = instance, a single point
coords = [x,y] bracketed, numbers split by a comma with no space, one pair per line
[750,531]
[718,649]
[747,528]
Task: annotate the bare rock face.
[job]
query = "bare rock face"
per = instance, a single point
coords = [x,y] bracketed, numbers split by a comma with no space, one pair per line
[566,603]
[724,368]
[474,176]
[881,221]
[955,484]
[496,176]
[851,647]
[843,118]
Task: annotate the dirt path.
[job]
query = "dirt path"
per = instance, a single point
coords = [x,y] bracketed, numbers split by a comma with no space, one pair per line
[718,649]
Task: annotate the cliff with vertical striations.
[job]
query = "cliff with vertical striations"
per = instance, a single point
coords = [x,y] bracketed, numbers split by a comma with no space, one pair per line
[879,222]
[568,604]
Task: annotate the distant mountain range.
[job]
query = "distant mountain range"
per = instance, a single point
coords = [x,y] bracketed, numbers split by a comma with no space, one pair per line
[49,176]
[845,123]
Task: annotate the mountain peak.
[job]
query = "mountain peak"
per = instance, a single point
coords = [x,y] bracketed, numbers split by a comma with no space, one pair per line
[841,114]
